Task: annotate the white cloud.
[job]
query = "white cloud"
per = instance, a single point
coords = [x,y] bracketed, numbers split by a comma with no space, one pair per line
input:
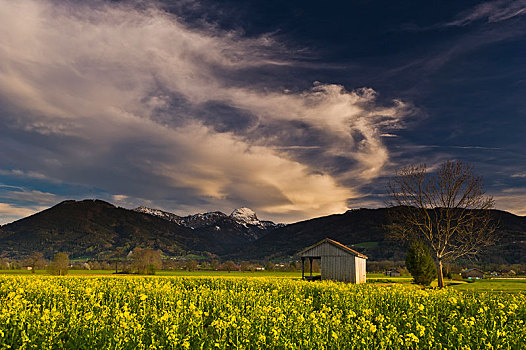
[24,174]
[113,94]
[119,197]
[42,198]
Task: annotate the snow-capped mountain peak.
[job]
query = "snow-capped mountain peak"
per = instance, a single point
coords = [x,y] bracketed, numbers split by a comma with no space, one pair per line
[241,219]
[162,214]
[245,215]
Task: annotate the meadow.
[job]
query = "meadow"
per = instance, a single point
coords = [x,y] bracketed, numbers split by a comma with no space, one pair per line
[134,312]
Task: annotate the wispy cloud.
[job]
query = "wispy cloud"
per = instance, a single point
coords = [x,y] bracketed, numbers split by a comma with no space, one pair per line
[35,197]
[491,11]
[10,212]
[511,199]
[17,202]
[134,102]
[24,174]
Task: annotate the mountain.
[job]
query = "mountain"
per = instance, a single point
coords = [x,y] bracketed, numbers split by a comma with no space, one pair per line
[352,227]
[247,217]
[162,214]
[94,228]
[364,230]
[244,221]
[90,228]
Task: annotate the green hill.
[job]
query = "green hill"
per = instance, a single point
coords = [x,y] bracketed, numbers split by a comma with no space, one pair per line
[365,231]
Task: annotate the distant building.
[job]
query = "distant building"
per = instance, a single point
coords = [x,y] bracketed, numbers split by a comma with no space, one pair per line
[338,262]
[472,273]
[394,273]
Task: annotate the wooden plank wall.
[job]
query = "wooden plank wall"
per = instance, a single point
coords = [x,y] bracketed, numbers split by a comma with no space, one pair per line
[360,269]
[339,268]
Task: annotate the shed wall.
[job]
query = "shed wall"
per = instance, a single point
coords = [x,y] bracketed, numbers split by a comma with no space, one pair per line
[360,269]
[339,268]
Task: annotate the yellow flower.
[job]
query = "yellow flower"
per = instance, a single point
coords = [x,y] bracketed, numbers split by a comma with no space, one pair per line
[411,338]
[421,329]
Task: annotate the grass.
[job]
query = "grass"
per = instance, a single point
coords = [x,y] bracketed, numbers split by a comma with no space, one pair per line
[380,278]
[492,285]
[366,245]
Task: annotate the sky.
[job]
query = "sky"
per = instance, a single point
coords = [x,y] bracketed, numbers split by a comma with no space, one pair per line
[296,109]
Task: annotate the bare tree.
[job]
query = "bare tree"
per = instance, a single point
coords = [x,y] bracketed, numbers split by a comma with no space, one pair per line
[229,266]
[35,261]
[146,260]
[447,210]
[191,265]
[118,256]
[59,265]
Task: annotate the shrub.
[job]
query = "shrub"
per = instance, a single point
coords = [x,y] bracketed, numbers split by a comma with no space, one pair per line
[420,264]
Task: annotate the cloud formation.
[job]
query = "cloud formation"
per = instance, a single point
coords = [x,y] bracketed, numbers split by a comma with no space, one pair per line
[135,103]
[10,212]
[512,199]
[491,11]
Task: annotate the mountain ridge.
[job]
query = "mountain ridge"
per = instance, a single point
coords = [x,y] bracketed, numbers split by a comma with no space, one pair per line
[94,228]
[244,216]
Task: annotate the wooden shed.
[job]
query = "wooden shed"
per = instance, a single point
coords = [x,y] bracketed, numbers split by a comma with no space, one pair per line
[338,262]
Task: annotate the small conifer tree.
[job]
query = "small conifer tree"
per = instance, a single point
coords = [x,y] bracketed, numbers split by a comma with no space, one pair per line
[420,264]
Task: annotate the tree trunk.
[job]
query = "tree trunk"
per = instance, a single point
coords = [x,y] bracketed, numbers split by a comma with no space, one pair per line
[439,273]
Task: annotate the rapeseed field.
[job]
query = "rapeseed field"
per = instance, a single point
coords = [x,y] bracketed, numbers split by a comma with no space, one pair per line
[44,312]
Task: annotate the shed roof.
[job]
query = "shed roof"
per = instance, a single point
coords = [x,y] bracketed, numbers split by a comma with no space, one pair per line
[337,245]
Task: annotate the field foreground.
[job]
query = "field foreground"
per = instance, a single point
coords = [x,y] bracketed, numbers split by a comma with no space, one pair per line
[193,313]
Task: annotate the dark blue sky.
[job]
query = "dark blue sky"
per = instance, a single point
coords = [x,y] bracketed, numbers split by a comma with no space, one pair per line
[294,108]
